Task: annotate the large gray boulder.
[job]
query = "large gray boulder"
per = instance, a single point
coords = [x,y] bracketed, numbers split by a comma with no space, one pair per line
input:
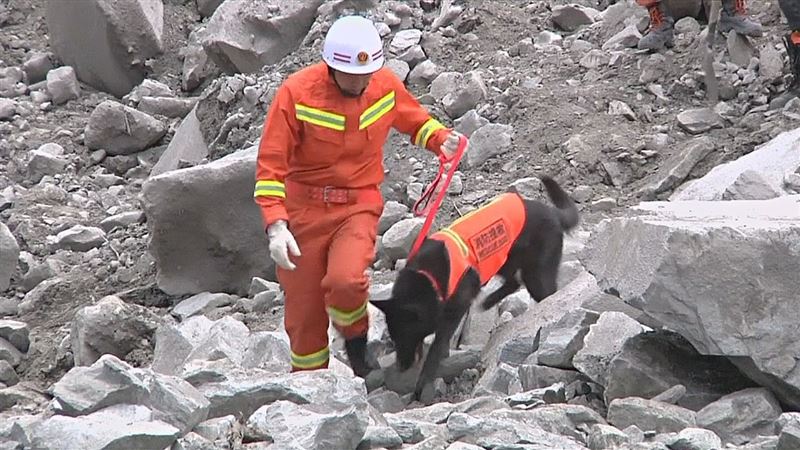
[242,392]
[758,175]
[244,35]
[106,41]
[119,426]
[653,362]
[206,232]
[721,274]
[109,382]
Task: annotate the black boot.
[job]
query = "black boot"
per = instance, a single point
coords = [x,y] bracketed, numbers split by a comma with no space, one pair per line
[357,355]
[734,17]
[661,33]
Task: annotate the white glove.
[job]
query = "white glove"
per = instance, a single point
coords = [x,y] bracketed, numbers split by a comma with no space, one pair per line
[281,242]
[450,145]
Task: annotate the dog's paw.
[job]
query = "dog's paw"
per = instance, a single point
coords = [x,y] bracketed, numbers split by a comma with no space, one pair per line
[425,390]
[418,390]
[426,394]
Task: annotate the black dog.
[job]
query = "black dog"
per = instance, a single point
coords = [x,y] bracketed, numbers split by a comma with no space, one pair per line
[421,305]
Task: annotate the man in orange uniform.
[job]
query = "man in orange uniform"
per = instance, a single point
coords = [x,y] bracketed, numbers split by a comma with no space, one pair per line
[320,164]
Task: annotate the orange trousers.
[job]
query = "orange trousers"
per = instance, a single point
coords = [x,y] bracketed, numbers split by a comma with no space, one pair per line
[337,245]
[647,3]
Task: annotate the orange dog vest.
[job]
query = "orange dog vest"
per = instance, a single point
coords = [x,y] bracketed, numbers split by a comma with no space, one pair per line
[482,239]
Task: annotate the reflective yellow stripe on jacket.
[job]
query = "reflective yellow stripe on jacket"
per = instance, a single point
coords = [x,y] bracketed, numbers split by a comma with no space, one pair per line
[457,239]
[426,131]
[312,360]
[319,117]
[376,111]
[270,188]
[347,318]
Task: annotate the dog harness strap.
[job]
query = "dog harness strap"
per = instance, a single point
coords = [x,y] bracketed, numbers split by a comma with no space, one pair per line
[487,234]
[436,286]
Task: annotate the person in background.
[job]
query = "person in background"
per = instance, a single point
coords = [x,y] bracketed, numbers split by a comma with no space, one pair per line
[791,10]
[660,35]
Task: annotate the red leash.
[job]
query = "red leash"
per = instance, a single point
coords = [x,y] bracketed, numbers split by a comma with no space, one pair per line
[423,205]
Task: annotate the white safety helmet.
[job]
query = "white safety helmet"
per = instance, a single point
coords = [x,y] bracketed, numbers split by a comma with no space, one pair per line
[353,46]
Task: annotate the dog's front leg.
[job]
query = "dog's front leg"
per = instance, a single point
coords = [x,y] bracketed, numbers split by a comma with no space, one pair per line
[438,351]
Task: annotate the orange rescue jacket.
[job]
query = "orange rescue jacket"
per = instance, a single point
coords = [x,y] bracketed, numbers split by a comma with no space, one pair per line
[482,239]
[315,135]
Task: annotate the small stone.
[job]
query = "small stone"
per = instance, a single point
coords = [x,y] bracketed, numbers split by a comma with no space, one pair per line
[595,59]
[168,106]
[570,17]
[46,160]
[200,304]
[122,220]
[17,333]
[529,188]
[547,38]
[604,204]
[604,436]
[404,40]
[37,66]
[423,73]
[627,38]
[80,238]
[654,68]
[697,121]
[62,84]
[695,439]
[400,68]
[8,108]
[618,108]
[7,374]
[687,25]
[469,123]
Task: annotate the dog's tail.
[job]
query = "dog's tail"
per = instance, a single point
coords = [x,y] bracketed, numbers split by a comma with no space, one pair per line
[567,211]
